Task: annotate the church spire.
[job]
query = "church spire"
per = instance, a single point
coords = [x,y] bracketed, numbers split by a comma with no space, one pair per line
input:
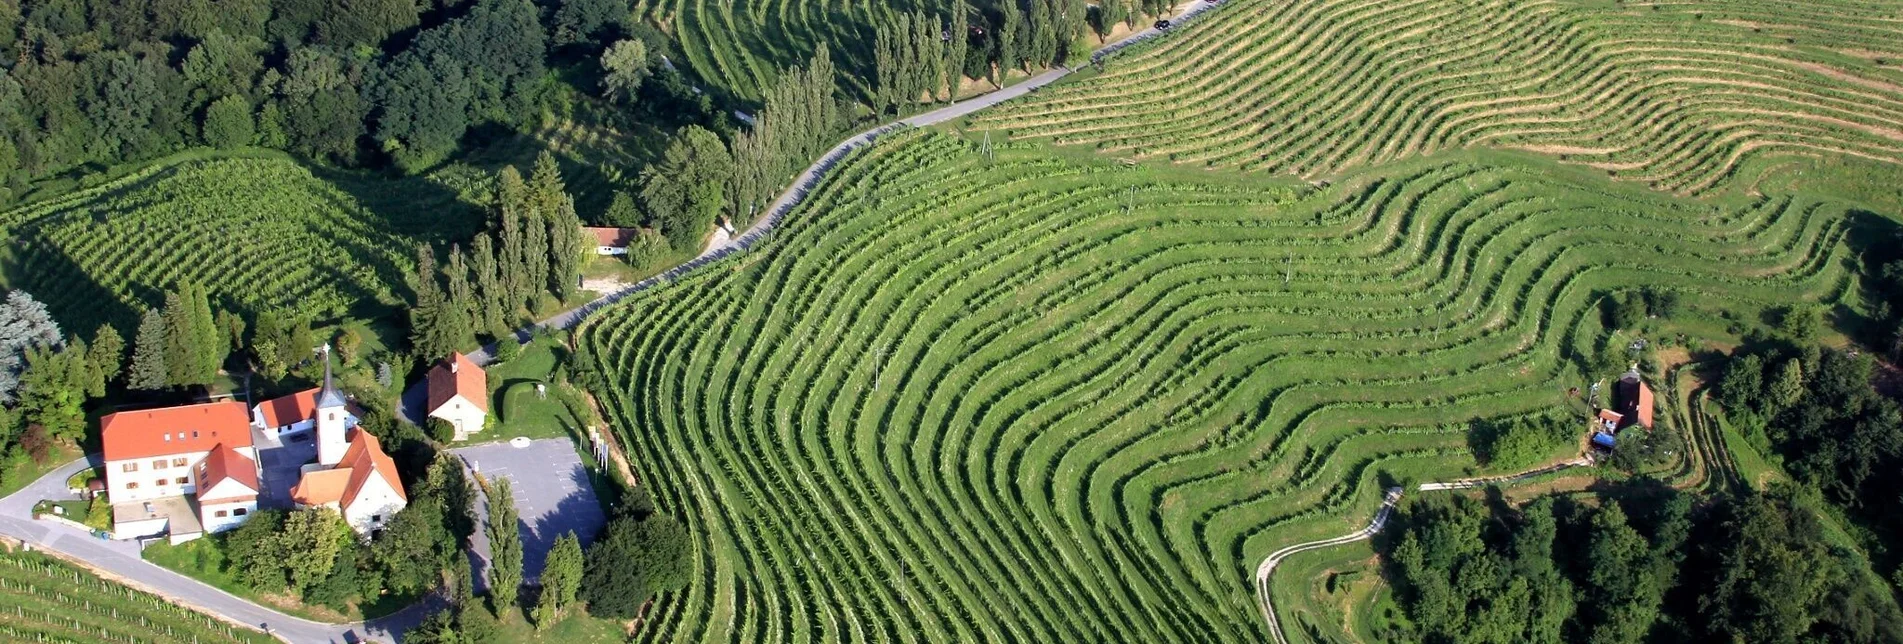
[328,396]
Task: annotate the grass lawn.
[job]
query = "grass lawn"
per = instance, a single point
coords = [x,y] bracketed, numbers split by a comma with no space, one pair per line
[204,560]
[577,627]
[519,411]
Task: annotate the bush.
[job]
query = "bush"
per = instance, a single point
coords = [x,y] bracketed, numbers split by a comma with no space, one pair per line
[634,560]
[507,349]
[442,430]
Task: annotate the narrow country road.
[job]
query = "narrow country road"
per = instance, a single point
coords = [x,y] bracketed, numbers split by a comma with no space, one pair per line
[1461,484]
[1267,567]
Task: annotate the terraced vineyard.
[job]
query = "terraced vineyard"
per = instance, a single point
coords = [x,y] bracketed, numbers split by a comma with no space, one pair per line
[263,232]
[42,600]
[740,46]
[1671,94]
[1046,398]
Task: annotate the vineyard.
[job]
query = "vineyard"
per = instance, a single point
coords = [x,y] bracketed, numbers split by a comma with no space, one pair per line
[1675,95]
[1024,394]
[740,47]
[259,232]
[42,600]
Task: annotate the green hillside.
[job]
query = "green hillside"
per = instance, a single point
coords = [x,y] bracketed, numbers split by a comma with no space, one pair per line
[48,601]
[258,231]
[1045,398]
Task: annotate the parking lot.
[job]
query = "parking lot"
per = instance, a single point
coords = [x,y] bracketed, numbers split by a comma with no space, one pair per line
[552,493]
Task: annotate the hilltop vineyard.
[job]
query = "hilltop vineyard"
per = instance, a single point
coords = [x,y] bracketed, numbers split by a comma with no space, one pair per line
[1007,395]
[1675,95]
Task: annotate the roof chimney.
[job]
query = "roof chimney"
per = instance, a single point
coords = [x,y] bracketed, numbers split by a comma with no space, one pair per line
[453,364]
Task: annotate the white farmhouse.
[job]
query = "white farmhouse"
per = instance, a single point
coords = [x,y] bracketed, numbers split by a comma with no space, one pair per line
[166,466]
[611,241]
[459,393]
[362,485]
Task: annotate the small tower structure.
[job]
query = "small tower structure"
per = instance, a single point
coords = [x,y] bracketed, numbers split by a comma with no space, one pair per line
[331,419]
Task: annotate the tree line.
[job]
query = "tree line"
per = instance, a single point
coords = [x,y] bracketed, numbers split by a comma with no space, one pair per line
[361,83]
[529,262]
[1638,562]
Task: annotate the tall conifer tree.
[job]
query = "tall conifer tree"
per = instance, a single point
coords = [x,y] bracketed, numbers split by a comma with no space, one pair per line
[482,263]
[148,354]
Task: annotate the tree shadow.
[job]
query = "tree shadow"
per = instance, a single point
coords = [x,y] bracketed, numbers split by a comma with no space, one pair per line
[578,512]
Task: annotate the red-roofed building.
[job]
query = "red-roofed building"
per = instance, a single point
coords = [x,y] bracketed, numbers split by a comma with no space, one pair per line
[154,456]
[459,393]
[611,241]
[363,486]
[227,489]
[1633,400]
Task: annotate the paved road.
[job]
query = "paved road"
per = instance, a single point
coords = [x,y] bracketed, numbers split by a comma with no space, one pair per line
[1267,567]
[121,558]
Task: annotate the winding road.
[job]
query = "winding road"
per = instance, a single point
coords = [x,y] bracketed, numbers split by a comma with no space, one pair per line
[1267,566]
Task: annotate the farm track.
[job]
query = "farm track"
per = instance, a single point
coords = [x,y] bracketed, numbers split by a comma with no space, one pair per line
[1673,95]
[1100,395]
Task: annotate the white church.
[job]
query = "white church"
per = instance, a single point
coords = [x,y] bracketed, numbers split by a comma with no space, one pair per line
[192,470]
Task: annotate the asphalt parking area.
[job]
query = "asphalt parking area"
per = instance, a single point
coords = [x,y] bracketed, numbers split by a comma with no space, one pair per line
[551,489]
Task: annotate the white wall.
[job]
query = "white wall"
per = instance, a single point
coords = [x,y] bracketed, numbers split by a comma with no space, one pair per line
[136,529]
[376,499]
[148,477]
[459,412]
[208,514]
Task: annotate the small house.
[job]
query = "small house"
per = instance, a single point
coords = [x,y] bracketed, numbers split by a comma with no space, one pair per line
[1632,399]
[611,241]
[459,393]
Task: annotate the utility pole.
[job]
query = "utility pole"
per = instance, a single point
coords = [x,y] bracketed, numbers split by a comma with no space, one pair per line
[990,157]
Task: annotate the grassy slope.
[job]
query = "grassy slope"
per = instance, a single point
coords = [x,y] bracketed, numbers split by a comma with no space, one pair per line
[950,385]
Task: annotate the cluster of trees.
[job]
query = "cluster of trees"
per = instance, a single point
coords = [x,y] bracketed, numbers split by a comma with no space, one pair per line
[183,344]
[701,178]
[921,57]
[1820,410]
[1628,309]
[1640,564]
[315,555]
[534,252]
[45,381]
[636,556]
[1512,444]
[99,82]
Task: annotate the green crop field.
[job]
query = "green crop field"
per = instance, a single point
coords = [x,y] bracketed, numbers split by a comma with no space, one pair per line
[42,600]
[1047,396]
[259,231]
[1671,94]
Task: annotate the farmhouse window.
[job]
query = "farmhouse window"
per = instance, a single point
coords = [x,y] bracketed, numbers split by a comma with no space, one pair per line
[178,462]
[181,480]
[132,485]
[238,512]
[221,514]
[129,467]
[158,464]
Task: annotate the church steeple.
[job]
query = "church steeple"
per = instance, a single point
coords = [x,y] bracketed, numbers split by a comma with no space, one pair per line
[332,418]
[328,396]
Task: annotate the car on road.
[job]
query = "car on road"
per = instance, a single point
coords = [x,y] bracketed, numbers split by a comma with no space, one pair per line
[1162,24]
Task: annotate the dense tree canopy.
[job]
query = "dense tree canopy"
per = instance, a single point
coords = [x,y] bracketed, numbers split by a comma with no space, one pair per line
[1635,565]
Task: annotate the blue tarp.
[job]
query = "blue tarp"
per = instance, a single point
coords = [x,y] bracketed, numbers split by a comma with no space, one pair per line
[1602,440]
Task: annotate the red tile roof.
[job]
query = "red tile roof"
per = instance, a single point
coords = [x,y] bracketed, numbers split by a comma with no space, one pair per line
[288,410]
[1609,416]
[1645,405]
[365,458]
[612,237]
[226,463]
[174,430]
[458,375]
[341,483]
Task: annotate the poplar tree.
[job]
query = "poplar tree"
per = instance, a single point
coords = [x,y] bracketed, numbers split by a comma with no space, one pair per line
[148,354]
[1007,40]
[511,251]
[566,249]
[928,68]
[957,48]
[458,310]
[482,262]
[535,259]
[505,546]
[1043,34]
[886,63]
[208,342]
[561,579]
